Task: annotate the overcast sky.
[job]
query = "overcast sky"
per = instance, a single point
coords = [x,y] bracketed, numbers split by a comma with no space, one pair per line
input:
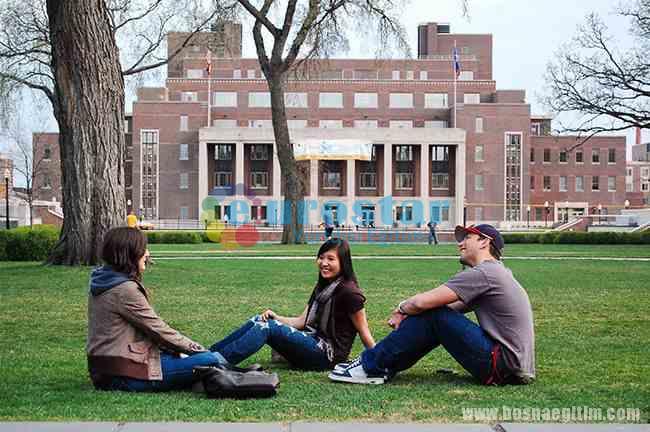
[525,35]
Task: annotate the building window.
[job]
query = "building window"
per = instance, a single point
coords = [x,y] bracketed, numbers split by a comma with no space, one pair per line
[629,187]
[259,179]
[595,185]
[395,74]
[513,176]
[532,182]
[189,96]
[259,100]
[296,100]
[330,124]
[410,75]
[404,213]
[260,152]
[435,124]
[47,181]
[149,172]
[366,124]
[424,75]
[563,184]
[401,100]
[547,183]
[472,98]
[184,212]
[223,152]
[184,126]
[331,180]
[645,172]
[404,181]
[611,156]
[368,180]
[236,74]
[184,181]
[580,184]
[478,153]
[400,124]
[532,155]
[595,156]
[330,100]
[403,153]
[364,74]
[250,73]
[258,212]
[439,167]
[478,126]
[225,99]
[194,73]
[645,187]
[563,156]
[222,179]
[478,182]
[580,157]
[535,129]
[466,76]
[365,100]
[611,183]
[547,155]
[478,214]
[47,153]
[184,152]
[436,100]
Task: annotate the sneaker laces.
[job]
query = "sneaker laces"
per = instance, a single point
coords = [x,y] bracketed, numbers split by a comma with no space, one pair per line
[356,362]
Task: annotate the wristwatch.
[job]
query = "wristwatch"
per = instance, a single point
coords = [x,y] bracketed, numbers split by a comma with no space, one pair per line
[400,307]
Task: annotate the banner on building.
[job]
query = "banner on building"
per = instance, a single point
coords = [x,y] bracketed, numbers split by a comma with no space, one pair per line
[338,149]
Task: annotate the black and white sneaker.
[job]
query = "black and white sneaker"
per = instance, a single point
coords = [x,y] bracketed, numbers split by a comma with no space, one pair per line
[353,373]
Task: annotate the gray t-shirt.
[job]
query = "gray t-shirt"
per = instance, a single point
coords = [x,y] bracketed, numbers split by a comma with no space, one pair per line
[503,311]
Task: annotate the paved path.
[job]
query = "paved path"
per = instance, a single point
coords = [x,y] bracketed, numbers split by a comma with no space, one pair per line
[385,257]
[313,427]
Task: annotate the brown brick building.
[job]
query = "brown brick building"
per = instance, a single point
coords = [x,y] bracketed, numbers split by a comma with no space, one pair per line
[433,156]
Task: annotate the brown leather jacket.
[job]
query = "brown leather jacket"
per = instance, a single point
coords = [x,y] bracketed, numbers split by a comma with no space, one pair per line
[125,335]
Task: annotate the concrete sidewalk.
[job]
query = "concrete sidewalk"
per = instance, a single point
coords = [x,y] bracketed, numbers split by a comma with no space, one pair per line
[313,427]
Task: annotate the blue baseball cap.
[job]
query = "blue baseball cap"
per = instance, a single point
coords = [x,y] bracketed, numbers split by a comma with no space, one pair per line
[484,230]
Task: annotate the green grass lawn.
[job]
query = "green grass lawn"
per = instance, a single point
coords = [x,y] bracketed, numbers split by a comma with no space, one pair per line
[365,249]
[591,320]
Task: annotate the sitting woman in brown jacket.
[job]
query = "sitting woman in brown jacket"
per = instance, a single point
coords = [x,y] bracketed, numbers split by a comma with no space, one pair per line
[129,347]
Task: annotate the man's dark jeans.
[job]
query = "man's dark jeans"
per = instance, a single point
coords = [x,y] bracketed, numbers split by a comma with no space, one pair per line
[417,335]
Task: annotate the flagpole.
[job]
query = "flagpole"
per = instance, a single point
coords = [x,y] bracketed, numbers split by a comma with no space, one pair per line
[209,69]
[454,54]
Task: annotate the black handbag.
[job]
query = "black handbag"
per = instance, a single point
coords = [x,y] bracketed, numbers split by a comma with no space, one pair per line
[227,381]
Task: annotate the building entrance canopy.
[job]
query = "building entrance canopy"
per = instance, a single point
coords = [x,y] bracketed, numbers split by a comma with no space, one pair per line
[332,149]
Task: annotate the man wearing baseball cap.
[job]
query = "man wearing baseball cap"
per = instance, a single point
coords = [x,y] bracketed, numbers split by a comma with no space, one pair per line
[499,350]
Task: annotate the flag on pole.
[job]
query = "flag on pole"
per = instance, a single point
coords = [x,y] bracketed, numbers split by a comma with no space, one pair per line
[208,67]
[456,61]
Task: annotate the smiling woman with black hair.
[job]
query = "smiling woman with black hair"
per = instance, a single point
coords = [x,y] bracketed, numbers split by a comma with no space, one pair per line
[323,334]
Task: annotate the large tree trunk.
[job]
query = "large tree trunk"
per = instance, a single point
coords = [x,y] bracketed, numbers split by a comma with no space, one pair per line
[293,212]
[89,108]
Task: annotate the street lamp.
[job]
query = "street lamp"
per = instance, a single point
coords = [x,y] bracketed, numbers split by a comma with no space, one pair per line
[528,216]
[546,214]
[627,204]
[465,211]
[7,177]
[600,209]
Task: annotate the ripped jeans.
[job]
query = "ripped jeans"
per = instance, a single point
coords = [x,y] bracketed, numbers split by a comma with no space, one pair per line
[302,350]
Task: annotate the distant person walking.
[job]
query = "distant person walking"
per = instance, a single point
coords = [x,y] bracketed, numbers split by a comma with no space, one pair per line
[132,220]
[328,223]
[433,237]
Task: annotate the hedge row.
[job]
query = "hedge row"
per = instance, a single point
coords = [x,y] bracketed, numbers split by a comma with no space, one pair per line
[176,237]
[578,237]
[28,244]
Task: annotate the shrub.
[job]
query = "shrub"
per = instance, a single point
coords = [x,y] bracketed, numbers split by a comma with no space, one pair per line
[28,244]
[174,237]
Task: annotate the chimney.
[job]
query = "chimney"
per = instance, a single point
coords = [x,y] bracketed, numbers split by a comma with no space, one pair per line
[638,135]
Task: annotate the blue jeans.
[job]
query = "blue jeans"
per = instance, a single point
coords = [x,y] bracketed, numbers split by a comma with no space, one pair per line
[417,335]
[302,350]
[177,373]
